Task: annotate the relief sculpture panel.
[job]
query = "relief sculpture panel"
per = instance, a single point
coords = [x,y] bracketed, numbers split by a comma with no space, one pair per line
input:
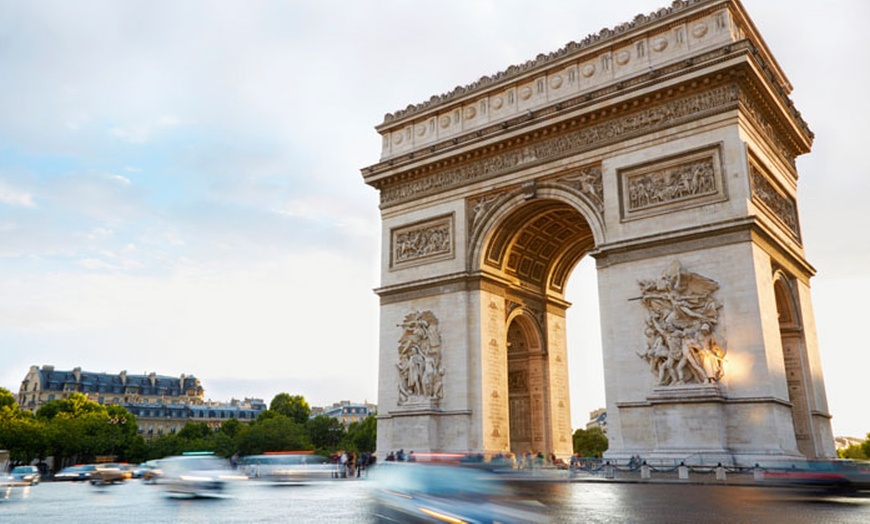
[781,206]
[665,185]
[682,315]
[422,242]
[420,371]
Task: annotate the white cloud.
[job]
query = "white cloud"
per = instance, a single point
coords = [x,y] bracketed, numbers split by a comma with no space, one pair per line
[15,197]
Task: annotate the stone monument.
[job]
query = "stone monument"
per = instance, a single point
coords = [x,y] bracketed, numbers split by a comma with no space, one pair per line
[664,148]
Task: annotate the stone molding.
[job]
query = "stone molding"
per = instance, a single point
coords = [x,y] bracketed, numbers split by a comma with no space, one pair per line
[677,47]
[422,242]
[658,115]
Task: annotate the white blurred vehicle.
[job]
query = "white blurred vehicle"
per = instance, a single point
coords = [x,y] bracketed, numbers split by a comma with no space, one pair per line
[25,474]
[289,467]
[196,475]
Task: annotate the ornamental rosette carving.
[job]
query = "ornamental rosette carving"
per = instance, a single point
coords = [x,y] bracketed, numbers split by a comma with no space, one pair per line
[420,371]
[682,346]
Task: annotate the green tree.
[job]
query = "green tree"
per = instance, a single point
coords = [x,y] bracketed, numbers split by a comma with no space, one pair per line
[590,442]
[194,431]
[273,434]
[22,435]
[75,405]
[292,406]
[231,427]
[363,435]
[325,433]
[7,400]
[859,451]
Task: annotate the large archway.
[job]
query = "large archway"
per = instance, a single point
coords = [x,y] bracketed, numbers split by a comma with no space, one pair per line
[531,239]
[665,150]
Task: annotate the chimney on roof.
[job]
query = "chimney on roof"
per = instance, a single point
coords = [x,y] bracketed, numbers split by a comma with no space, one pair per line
[153,377]
[123,375]
[77,373]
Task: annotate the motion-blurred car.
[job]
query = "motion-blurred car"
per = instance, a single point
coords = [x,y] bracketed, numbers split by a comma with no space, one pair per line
[845,475]
[75,473]
[294,468]
[439,493]
[146,471]
[104,474]
[196,475]
[26,474]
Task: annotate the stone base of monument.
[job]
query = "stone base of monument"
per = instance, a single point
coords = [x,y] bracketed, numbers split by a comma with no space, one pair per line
[686,424]
[699,425]
[423,427]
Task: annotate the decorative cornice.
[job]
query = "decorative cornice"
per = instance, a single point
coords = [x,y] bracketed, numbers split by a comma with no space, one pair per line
[594,39]
[585,134]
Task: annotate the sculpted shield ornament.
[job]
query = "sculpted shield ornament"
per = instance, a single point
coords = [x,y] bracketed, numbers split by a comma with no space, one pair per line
[420,371]
[682,346]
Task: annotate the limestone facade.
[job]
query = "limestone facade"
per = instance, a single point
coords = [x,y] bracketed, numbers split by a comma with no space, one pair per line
[162,404]
[666,142]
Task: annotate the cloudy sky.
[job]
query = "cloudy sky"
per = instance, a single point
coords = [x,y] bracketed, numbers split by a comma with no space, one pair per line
[180,188]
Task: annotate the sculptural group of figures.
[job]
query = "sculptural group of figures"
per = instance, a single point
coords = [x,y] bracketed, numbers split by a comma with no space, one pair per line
[687,181]
[681,343]
[420,372]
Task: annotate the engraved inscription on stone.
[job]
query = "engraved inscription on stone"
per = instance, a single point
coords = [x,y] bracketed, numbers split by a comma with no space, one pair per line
[688,180]
[783,207]
[420,371]
[682,315]
[423,242]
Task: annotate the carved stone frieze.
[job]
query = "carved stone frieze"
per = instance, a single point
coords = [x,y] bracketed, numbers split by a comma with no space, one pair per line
[420,371]
[588,182]
[783,207]
[682,346]
[672,184]
[587,137]
[422,242]
[690,179]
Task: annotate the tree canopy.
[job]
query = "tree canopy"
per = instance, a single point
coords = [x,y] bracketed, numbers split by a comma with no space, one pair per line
[590,442]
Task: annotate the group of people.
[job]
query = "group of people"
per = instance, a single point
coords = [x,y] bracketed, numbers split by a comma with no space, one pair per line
[400,456]
[350,465]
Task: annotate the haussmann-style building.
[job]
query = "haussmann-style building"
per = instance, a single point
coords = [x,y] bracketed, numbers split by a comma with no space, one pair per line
[162,404]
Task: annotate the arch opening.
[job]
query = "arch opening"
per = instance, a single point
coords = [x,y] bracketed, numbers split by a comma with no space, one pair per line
[532,251]
[794,359]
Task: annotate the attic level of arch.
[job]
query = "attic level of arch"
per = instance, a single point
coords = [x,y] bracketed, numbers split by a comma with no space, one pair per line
[585,124]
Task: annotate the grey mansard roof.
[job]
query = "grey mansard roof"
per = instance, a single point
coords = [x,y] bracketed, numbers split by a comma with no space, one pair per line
[90,382]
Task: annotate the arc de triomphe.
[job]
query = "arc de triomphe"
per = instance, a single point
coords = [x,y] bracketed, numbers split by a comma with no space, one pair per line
[664,148]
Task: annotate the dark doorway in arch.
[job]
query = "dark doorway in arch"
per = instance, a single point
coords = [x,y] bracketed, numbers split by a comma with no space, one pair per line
[526,385]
